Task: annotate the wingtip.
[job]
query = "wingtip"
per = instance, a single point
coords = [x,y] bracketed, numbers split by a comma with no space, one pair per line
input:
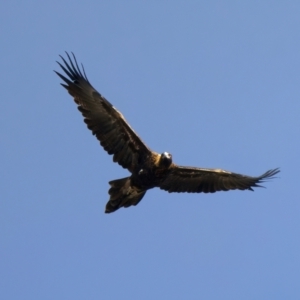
[72,69]
[271,173]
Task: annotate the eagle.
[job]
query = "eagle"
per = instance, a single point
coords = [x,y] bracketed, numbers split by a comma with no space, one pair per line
[148,169]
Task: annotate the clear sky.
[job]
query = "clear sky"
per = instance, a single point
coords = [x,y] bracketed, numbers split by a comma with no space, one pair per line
[215,83]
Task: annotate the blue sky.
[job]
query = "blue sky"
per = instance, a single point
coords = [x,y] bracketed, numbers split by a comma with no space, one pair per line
[214,83]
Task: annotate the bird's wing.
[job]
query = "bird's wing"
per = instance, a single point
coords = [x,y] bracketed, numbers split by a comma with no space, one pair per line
[106,123]
[196,180]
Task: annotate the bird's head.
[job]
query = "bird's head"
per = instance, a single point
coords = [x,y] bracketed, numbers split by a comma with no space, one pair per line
[165,159]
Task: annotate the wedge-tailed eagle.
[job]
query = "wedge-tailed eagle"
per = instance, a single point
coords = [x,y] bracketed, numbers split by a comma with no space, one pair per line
[148,169]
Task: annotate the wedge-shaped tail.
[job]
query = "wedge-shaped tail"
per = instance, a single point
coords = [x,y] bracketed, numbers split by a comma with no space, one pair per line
[123,194]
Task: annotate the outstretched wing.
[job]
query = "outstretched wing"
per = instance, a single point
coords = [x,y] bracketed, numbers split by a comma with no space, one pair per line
[105,122]
[196,180]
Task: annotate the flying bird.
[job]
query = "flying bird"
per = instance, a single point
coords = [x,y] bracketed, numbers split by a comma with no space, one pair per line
[148,169]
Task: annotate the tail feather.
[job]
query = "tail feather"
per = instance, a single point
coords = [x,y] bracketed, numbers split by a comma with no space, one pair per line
[123,194]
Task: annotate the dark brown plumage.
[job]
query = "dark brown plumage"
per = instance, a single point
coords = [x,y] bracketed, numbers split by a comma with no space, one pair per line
[148,168]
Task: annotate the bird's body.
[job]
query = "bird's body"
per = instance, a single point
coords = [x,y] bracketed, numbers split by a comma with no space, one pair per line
[148,168]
